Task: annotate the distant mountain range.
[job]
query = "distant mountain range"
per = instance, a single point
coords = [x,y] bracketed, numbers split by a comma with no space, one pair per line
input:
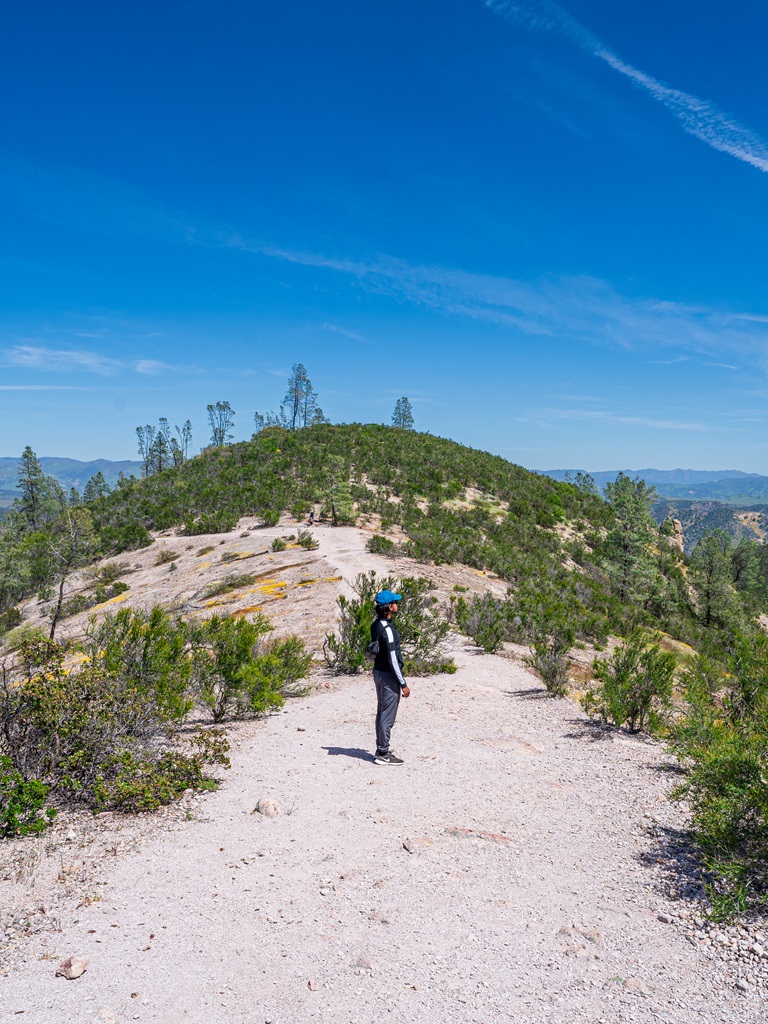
[69,473]
[728,485]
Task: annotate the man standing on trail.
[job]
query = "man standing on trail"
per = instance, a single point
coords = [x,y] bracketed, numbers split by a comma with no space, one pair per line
[387,673]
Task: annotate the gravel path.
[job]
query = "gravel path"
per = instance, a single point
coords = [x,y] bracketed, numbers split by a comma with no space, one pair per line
[521,866]
[513,869]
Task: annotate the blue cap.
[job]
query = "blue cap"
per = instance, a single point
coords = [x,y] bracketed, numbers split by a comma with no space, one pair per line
[387,597]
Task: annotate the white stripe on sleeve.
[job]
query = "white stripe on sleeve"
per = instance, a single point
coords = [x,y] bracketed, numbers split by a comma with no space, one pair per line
[392,659]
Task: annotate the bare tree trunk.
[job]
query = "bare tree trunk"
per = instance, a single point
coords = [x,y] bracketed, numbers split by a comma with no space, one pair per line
[57,610]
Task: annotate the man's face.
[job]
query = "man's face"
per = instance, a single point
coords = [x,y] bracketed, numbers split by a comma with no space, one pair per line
[393,607]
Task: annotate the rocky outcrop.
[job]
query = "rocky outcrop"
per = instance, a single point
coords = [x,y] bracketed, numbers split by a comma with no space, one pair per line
[674,534]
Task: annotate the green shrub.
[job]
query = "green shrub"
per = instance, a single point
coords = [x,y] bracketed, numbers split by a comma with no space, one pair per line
[166,555]
[22,803]
[211,522]
[134,784]
[236,674]
[442,666]
[278,544]
[422,629]
[204,551]
[379,545]
[306,540]
[484,620]
[146,652]
[75,605]
[228,584]
[279,669]
[102,593]
[93,732]
[549,658]
[10,619]
[345,649]
[635,685]
[721,739]
[109,572]
[61,726]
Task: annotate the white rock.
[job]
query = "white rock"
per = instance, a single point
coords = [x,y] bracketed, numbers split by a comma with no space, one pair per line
[71,968]
[269,808]
[105,1016]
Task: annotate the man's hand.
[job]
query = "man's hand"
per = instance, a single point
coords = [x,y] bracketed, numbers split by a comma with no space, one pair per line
[406,691]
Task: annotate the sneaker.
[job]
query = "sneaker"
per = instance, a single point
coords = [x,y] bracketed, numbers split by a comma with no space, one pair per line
[387,759]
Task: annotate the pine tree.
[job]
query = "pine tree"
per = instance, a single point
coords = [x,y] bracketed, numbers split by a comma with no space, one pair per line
[97,487]
[42,497]
[15,568]
[300,408]
[160,454]
[221,417]
[711,575]
[402,417]
[33,486]
[184,439]
[630,564]
[338,506]
[146,439]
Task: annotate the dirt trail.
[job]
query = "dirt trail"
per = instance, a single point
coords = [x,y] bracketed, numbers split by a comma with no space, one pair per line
[513,869]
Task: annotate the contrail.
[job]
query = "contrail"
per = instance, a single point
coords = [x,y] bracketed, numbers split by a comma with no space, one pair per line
[698,117]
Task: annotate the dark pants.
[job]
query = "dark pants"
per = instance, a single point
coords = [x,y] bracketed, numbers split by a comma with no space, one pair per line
[387,701]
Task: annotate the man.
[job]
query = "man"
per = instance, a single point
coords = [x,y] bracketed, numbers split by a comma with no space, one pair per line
[387,673]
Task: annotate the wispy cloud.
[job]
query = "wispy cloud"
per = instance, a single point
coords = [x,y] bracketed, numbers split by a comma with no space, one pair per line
[336,329]
[670,362]
[698,117]
[150,367]
[576,308]
[580,308]
[39,387]
[622,420]
[50,360]
[36,357]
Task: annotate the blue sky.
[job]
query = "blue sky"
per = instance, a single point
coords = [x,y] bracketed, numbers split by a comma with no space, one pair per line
[546,225]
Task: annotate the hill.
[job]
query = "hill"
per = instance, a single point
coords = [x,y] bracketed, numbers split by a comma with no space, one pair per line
[728,485]
[69,472]
[575,561]
[699,518]
[543,570]
[441,501]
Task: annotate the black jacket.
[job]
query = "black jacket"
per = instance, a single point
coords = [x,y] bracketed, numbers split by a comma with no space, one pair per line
[389,658]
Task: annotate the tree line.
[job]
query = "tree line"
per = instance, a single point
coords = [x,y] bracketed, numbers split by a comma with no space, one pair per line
[160,448]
